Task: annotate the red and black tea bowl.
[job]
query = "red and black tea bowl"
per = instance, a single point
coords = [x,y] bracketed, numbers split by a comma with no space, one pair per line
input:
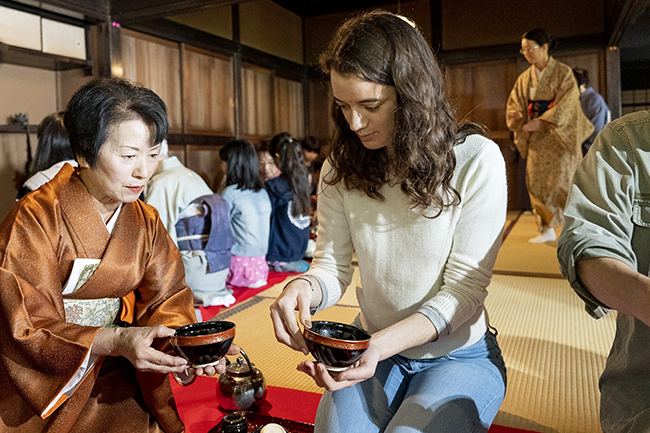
[337,345]
[203,343]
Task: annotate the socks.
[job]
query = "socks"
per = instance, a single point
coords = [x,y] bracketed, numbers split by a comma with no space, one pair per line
[547,235]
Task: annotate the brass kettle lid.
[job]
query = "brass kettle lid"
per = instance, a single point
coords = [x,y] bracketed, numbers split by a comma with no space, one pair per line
[241,367]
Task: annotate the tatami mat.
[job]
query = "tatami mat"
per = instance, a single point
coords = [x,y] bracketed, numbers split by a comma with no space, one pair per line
[517,256]
[554,352]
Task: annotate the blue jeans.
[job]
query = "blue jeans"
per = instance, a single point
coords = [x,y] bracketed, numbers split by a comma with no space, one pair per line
[456,393]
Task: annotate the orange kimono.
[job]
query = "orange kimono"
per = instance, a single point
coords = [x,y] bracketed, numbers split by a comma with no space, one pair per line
[40,350]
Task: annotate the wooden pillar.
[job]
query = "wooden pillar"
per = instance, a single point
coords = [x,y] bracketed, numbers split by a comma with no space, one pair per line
[613,76]
[436,25]
[109,45]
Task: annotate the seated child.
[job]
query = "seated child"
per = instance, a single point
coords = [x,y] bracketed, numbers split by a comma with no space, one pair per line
[250,214]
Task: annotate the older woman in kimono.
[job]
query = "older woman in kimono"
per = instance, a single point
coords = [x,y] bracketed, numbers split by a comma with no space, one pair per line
[92,285]
[549,127]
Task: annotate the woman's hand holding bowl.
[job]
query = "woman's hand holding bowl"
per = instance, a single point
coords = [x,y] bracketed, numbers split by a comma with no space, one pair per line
[361,370]
[134,343]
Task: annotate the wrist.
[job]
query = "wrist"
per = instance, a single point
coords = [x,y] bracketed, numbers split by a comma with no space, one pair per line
[310,285]
[106,341]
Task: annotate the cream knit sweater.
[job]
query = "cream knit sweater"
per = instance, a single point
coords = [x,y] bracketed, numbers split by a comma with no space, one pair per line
[437,267]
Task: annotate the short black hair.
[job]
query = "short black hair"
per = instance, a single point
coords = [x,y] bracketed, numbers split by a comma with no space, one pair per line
[582,76]
[310,144]
[103,103]
[242,165]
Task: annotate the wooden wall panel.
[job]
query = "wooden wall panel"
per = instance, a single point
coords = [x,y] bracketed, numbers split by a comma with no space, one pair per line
[479,91]
[206,162]
[208,93]
[257,102]
[593,62]
[289,112]
[492,84]
[155,63]
[13,156]
[320,102]
[460,89]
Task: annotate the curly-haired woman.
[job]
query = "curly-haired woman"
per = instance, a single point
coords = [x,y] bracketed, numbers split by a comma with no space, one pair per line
[422,203]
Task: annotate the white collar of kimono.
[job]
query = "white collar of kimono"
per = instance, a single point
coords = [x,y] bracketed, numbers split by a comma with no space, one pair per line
[539,73]
[111,222]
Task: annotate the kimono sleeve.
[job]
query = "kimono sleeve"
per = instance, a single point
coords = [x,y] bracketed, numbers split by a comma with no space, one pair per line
[162,298]
[570,123]
[40,351]
[598,215]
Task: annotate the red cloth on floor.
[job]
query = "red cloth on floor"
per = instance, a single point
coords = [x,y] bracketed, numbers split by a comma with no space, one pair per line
[243,293]
[198,407]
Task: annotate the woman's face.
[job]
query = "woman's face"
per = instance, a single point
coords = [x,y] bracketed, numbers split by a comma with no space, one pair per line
[368,108]
[124,165]
[534,52]
[268,169]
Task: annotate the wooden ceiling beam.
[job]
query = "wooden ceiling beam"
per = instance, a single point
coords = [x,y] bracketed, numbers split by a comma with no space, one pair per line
[620,15]
[128,11]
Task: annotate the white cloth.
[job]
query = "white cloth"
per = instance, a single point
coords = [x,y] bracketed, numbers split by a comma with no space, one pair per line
[171,189]
[408,263]
[43,176]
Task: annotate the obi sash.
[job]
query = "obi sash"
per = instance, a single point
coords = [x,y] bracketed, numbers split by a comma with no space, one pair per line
[537,108]
[102,312]
[93,312]
[207,229]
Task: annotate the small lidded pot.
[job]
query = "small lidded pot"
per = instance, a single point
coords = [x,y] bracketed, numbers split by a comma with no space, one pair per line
[234,423]
[242,386]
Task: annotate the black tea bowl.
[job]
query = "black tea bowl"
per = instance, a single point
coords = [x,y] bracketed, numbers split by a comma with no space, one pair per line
[203,343]
[337,345]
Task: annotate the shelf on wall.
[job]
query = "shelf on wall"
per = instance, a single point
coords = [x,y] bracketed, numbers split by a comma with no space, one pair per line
[39,59]
[17,129]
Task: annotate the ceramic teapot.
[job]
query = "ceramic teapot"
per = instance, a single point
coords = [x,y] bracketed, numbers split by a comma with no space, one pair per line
[242,386]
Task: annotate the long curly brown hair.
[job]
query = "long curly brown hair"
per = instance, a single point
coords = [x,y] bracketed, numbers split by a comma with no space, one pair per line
[387,49]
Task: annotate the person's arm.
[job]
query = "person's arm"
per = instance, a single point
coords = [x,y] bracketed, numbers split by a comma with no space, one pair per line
[597,113]
[516,107]
[617,285]
[476,241]
[329,275]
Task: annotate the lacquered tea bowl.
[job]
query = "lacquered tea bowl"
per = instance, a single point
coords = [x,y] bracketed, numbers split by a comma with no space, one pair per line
[204,343]
[336,345]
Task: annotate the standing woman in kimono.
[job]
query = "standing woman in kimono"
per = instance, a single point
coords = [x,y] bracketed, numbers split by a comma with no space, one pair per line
[549,128]
[92,285]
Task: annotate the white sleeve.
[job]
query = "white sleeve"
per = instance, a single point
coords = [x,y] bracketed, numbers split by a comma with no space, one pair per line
[332,260]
